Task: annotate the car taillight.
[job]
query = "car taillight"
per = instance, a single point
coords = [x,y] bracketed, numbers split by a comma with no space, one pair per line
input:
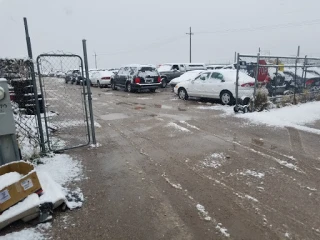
[250,84]
[309,82]
[159,79]
[104,78]
[137,80]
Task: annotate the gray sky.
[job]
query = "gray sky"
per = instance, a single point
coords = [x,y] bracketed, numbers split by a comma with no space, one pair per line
[149,31]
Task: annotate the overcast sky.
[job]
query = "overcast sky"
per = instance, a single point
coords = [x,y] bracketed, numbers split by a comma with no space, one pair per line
[153,31]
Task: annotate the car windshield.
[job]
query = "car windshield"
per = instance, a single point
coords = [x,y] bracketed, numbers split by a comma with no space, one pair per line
[164,68]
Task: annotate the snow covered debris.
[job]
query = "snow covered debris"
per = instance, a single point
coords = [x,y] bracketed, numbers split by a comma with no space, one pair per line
[32,201]
[9,178]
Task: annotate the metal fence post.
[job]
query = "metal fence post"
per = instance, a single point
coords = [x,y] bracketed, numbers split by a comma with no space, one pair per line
[277,69]
[35,90]
[304,72]
[256,81]
[237,79]
[85,56]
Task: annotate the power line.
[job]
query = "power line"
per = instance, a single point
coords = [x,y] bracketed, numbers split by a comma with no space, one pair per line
[292,24]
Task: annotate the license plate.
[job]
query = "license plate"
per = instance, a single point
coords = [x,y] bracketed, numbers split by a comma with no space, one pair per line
[149,80]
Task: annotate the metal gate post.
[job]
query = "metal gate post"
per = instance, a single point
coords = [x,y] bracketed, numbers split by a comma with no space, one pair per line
[256,81]
[35,91]
[85,56]
[237,79]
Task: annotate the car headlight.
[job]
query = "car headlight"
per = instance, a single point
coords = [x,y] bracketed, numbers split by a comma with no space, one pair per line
[176,86]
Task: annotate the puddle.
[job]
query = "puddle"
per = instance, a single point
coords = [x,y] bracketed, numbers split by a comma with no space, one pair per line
[139,107]
[182,109]
[153,115]
[163,106]
[175,117]
[114,116]
[123,103]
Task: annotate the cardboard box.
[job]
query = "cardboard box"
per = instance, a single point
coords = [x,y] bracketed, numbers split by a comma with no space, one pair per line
[16,192]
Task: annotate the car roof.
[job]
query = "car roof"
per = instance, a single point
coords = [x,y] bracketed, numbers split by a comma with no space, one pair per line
[139,65]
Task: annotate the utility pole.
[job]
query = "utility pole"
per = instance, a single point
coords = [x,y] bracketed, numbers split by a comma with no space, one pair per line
[95,59]
[190,34]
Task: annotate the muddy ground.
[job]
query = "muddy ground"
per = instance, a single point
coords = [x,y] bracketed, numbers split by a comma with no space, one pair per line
[172,169]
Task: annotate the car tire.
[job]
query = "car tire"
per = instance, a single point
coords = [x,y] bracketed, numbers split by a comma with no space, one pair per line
[164,83]
[66,81]
[182,93]
[113,86]
[152,90]
[226,98]
[129,87]
[98,84]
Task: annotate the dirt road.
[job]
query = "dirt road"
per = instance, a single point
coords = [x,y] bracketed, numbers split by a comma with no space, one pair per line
[172,169]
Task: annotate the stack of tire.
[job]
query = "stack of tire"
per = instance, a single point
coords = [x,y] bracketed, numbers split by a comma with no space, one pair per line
[23,95]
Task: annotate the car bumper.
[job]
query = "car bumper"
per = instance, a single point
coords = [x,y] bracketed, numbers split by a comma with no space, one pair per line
[146,86]
[105,82]
[175,89]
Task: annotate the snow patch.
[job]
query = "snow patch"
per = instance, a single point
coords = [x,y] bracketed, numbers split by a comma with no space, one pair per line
[189,125]
[177,127]
[252,173]
[251,198]
[174,185]
[292,116]
[215,160]
[203,212]
[223,230]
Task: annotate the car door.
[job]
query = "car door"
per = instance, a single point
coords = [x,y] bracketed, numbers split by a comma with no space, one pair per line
[215,84]
[119,78]
[198,86]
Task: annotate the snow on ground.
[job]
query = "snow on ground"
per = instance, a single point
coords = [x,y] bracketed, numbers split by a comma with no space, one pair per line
[223,230]
[292,116]
[177,127]
[252,173]
[215,160]
[203,212]
[37,233]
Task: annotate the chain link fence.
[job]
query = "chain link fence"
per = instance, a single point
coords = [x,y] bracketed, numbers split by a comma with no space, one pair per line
[22,95]
[278,81]
[64,89]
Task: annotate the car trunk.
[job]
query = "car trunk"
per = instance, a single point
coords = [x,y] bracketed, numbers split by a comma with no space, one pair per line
[148,76]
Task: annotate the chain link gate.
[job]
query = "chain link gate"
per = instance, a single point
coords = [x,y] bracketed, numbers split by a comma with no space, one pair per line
[63,88]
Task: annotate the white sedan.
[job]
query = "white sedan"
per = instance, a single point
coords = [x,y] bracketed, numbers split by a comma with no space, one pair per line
[101,78]
[184,77]
[217,84]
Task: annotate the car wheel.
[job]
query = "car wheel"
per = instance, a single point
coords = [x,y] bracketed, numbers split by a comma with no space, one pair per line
[113,86]
[66,81]
[152,90]
[226,98]
[128,87]
[182,93]
[163,82]
[98,84]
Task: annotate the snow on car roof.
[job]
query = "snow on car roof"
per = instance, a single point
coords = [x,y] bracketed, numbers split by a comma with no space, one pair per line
[230,74]
[139,65]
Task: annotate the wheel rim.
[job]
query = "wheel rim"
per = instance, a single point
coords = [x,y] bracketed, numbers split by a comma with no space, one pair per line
[164,83]
[182,94]
[225,98]
[129,87]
